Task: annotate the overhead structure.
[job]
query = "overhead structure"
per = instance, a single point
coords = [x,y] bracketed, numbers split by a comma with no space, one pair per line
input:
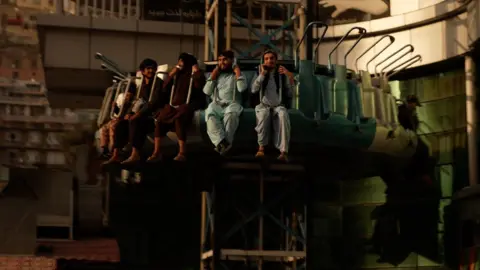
[263,33]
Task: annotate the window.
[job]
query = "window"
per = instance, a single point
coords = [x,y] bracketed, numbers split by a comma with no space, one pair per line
[16,63]
[15,75]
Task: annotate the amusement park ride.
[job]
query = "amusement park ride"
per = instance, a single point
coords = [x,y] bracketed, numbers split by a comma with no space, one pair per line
[344,123]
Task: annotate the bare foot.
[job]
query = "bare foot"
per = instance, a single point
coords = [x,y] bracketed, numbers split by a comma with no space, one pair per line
[154,158]
[180,157]
[112,160]
[283,157]
[260,154]
[131,160]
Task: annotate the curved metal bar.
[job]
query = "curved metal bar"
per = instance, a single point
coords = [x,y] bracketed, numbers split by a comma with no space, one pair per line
[393,54]
[361,35]
[392,40]
[318,44]
[117,92]
[304,36]
[409,62]
[112,66]
[393,62]
[104,66]
[360,31]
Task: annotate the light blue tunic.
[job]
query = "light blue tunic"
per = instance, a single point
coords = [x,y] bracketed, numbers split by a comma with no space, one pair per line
[222,114]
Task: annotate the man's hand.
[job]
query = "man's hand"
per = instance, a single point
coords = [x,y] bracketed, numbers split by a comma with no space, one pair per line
[215,73]
[135,116]
[195,69]
[237,71]
[127,117]
[263,70]
[284,71]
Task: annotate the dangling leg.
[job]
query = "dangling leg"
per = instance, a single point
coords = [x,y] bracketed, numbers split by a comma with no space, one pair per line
[104,139]
[181,130]
[262,114]
[138,133]
[214,125]
[281,128]
[120,140]
[231,122]
[161,130]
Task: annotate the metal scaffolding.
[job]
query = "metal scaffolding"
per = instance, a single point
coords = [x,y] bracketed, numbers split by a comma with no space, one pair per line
[255,216]
[218,35]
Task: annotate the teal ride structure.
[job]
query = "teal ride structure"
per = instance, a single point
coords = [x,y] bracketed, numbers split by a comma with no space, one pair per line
[334,107]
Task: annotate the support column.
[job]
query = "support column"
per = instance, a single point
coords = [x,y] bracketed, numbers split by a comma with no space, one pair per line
[59,7]
[310,15]
[220,37]
[471,98]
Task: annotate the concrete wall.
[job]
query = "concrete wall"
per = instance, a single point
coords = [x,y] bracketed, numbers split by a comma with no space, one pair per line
[20,208]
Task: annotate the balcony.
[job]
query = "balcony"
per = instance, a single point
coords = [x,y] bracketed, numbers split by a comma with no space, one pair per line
[45,119]
[23,101]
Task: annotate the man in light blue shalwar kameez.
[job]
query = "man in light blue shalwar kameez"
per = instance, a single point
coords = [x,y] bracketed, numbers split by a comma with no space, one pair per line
[222,114]
[275,87]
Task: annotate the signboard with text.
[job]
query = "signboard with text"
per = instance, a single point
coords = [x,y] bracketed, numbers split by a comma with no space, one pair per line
[193,11]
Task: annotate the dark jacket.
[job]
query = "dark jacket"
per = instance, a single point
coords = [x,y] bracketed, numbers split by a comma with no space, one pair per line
[407,118]
[286,98]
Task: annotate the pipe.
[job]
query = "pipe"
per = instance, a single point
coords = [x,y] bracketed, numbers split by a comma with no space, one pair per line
[391,55]
[471,98]
[228,40]
[304,36]
[409,62]
[317,46]
[361,30]
[360,36]
[392,40]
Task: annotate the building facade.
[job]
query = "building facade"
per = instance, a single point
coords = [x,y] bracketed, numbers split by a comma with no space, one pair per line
[30,130]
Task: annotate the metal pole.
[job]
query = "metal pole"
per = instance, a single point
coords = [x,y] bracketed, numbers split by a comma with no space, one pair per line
[301,26]
[203,227]
[471,98]
[206,45]
[260,220]
[59,7]
[228,40]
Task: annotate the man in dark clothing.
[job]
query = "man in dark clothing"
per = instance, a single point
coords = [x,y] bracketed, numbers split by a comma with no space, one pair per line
[136,125]
[407,115]
[184,87]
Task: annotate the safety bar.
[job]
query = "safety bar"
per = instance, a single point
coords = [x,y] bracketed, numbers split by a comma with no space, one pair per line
[361,35]
[111,65]
[361,30]
[122,109]
[393,62]
[409,63]
[303,38]
[109,68]
[392,40]
[317,46]
[153,84]
[189,91]
[393,54]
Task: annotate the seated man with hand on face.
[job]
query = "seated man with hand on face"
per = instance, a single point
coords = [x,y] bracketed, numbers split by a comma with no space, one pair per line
[222,114]
[275,86]
[134,127]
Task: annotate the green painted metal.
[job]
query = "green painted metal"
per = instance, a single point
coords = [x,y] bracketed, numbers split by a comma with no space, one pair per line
[340,91]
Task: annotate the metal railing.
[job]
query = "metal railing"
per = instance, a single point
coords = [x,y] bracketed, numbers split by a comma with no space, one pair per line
[101,8]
